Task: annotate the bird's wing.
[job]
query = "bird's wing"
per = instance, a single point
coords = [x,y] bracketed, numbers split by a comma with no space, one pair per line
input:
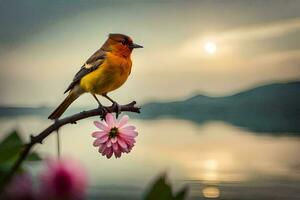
[90,65]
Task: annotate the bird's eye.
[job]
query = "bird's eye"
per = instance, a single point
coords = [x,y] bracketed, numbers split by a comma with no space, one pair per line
[124,42]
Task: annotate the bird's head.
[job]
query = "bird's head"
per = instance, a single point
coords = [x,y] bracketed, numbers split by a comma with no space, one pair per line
[120,44]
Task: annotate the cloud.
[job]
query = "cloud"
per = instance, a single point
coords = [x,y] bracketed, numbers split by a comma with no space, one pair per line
[229,38]
[261,31]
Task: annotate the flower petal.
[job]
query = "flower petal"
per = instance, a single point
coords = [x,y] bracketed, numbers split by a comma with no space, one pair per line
[108,143]
[101,125]
[130,146]
[105,150]
[118,153]
[115,146]
[103,139]
[122,143]
[110,120]
[128,128]
[101,148]
[123,121]
[130,142]
[97,143]
[129,133]
[109,153]
[114,139]
[98,134]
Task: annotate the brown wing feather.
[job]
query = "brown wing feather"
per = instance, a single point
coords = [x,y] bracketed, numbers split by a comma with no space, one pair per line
[91,64]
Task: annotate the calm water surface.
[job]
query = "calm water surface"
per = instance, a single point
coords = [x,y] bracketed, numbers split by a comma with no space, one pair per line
[216,160]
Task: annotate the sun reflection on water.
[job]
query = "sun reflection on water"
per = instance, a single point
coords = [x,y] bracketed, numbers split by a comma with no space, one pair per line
[210,170]
[211,192]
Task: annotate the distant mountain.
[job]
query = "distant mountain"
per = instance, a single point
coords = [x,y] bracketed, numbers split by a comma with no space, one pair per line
[273,108]
[18,111]
[43,111]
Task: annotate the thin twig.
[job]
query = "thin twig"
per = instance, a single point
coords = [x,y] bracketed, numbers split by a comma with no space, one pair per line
[59,123]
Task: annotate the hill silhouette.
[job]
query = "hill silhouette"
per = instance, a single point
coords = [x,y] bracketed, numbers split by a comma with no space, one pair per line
[273,108]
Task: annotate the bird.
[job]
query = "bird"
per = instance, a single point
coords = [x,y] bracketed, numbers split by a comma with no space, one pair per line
[106,70]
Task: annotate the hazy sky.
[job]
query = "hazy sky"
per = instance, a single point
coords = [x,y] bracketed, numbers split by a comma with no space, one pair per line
[43,44]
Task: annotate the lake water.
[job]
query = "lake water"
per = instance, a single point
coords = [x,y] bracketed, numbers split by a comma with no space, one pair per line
[216,160]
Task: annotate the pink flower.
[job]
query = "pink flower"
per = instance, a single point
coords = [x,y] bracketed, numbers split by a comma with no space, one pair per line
[114,137]
[63,179]
[20,188]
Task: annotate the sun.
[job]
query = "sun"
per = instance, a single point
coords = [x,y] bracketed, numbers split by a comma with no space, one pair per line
[210,47]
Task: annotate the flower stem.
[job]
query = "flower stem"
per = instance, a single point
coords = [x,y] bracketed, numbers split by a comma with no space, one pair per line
[58,143]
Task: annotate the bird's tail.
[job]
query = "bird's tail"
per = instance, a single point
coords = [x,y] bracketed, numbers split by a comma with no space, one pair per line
[63,106]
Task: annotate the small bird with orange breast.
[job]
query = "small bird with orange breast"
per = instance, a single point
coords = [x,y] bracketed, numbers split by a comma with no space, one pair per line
[106,70]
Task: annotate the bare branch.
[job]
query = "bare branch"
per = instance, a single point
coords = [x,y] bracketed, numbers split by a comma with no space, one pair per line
[61,122]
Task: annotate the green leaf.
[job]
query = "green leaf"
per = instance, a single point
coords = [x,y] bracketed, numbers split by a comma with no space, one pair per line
[159,190]
[10,146]
[4,167]
[181,194]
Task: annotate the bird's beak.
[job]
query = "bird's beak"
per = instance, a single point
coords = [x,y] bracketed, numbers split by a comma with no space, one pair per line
[135,46]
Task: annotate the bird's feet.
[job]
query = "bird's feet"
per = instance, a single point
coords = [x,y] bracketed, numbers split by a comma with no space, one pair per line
[104,111]
[117,108]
